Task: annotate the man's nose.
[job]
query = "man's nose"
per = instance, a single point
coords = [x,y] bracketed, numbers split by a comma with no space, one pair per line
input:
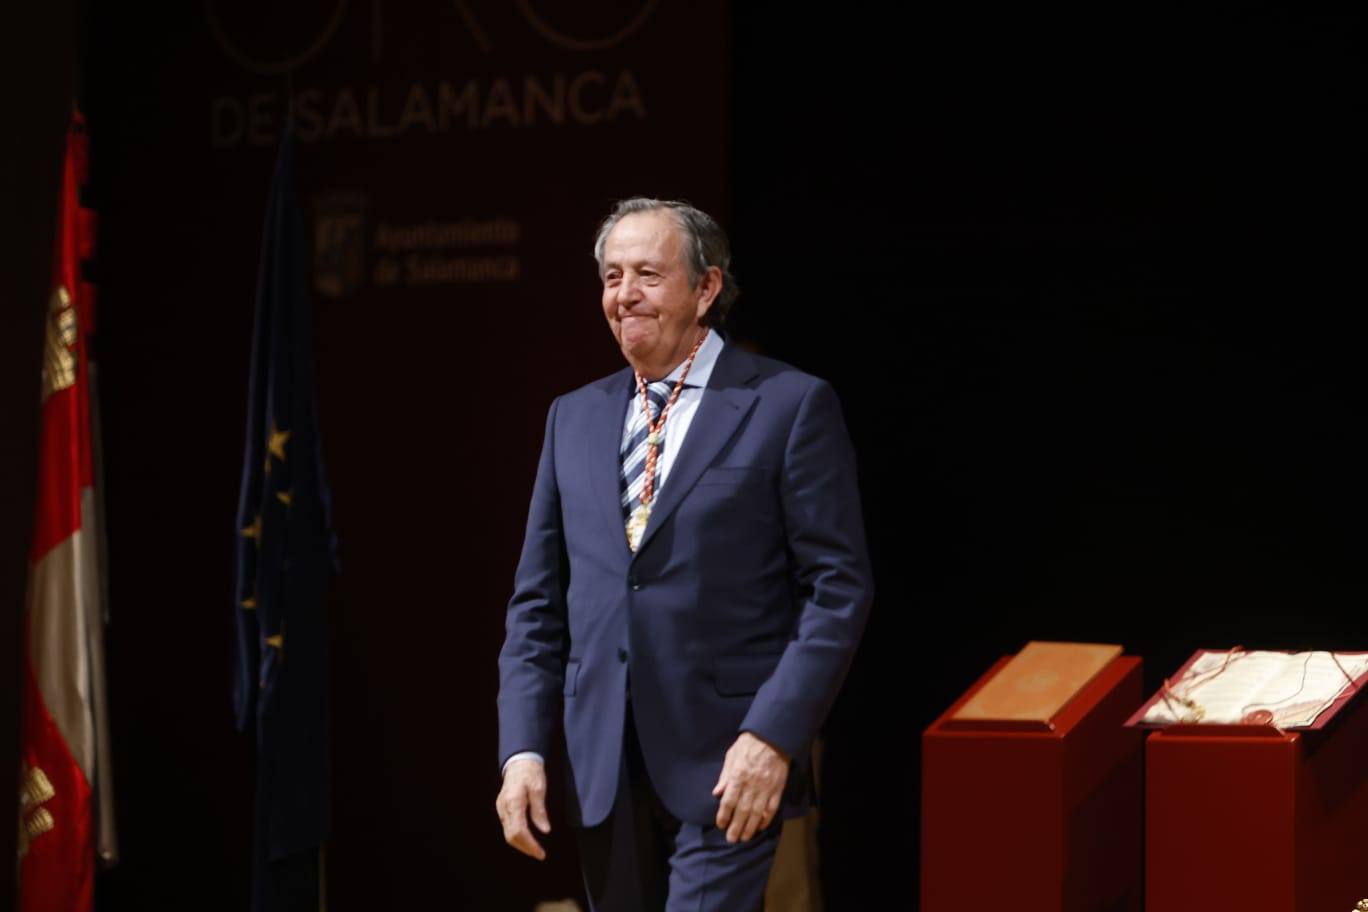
[629,290]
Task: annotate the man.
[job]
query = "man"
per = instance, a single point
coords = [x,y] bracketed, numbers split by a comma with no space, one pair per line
[692,586]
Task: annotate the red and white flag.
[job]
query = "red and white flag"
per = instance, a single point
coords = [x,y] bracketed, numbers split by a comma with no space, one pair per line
[65,803]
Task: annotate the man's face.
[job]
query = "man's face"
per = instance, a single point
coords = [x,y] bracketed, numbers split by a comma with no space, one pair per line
[651,306]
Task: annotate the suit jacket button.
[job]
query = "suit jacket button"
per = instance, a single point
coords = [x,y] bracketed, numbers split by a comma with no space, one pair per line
[622,655]
[634,583]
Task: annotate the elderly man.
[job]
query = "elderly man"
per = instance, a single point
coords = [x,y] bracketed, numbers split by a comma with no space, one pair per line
[692,586]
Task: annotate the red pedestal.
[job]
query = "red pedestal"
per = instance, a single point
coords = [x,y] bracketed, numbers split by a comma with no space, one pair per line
[1259,821]
[1037,820]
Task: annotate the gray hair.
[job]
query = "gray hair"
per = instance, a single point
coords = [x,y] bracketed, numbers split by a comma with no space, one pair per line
[705,246]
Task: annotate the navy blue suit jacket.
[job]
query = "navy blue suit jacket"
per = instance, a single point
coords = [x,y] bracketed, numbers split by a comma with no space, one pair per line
[740,611]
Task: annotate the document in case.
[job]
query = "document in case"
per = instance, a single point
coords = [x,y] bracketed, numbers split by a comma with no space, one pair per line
[1260,687]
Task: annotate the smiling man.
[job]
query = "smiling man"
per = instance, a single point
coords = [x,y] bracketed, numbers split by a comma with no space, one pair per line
[692,587]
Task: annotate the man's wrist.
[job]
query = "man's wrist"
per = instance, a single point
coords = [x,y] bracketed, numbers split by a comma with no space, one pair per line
[522,755]
[768,743]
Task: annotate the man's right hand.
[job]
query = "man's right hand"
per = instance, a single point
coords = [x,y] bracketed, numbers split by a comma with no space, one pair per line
[523,795]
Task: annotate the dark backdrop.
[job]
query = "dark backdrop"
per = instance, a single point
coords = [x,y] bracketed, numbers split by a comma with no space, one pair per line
[1086,287]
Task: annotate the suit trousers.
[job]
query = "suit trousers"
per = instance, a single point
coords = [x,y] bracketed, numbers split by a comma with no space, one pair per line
[643,858]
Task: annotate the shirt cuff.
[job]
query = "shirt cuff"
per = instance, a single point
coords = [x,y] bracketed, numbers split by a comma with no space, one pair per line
[523,755]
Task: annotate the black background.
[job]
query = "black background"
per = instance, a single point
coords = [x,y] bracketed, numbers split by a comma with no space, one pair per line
[1087,285]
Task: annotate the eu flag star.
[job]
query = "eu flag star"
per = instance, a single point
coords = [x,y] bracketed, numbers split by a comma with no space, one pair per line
[278,440]
[277,642]
[254,530]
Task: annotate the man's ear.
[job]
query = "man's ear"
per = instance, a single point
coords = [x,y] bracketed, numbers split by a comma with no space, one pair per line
[709,287]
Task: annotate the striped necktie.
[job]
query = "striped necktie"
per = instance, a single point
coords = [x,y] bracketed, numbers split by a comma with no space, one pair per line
[633,452]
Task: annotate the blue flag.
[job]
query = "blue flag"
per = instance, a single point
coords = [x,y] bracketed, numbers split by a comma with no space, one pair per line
[285,560]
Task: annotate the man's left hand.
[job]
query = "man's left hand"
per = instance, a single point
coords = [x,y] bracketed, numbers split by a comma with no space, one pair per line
[751,784]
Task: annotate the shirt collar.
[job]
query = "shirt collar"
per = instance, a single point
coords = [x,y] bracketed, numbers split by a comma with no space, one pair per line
[703,363]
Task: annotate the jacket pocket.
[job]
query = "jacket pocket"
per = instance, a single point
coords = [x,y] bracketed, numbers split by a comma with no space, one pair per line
[572,668]
[739,676]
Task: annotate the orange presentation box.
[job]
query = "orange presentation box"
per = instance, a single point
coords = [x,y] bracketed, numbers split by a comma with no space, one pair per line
[1037,820]
[1254,819]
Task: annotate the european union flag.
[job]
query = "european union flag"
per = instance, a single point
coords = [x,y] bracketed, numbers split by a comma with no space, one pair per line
[285,559]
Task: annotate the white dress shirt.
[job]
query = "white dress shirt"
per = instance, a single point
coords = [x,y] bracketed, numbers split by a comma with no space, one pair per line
[676,427]
[681,416]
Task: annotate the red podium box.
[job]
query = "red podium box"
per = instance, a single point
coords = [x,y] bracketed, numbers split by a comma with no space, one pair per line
[1254,819]
[1037,820]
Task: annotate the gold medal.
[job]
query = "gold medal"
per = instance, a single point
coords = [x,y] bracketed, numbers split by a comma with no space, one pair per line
[636,525]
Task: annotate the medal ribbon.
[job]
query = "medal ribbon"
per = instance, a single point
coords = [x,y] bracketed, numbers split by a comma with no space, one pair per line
[636,525]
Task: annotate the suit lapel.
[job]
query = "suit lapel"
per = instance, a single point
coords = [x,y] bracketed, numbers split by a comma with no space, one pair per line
[602,442]
[726,402]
